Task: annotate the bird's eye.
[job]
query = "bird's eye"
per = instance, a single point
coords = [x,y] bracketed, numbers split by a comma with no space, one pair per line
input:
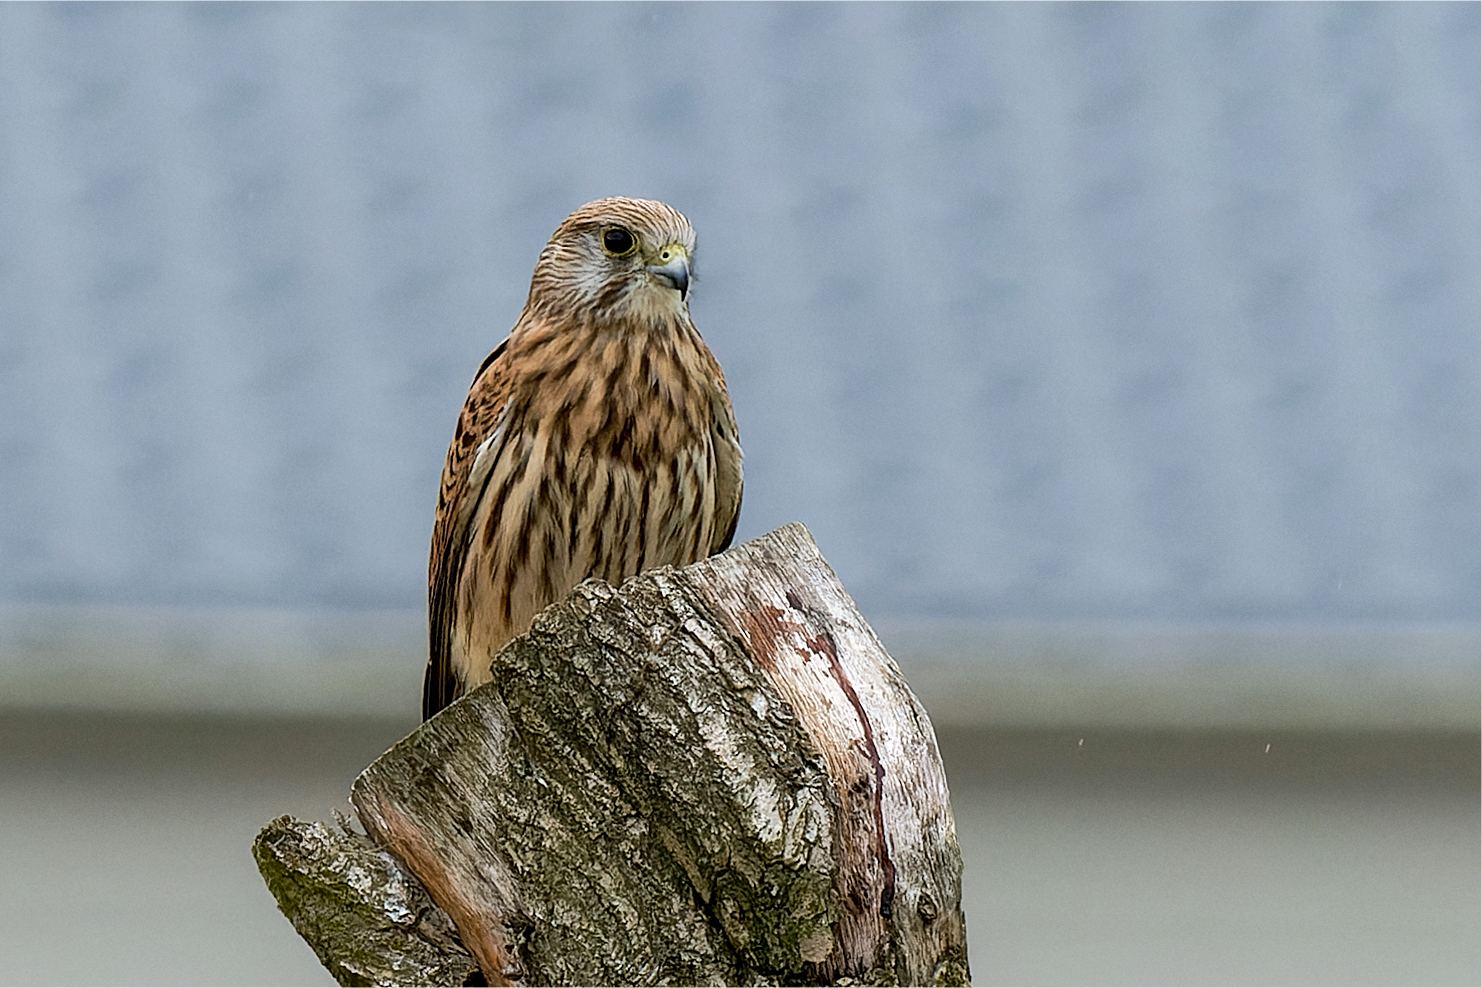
[618,242]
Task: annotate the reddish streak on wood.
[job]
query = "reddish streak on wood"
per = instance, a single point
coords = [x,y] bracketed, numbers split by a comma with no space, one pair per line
[824,645]
[767,631]
[762,630]
[478,932]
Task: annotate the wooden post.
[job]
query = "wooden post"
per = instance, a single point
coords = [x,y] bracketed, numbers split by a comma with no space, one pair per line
[713,775]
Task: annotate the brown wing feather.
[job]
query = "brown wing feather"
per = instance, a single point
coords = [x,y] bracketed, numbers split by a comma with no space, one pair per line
[486,399]
[727,443]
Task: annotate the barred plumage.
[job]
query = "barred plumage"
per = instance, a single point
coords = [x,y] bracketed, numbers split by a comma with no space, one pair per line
[597,440]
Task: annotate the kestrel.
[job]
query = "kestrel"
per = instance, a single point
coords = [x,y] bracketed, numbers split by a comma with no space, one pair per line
[598,440]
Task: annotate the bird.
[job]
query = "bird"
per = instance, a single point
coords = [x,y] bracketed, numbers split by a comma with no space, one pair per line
[597,440]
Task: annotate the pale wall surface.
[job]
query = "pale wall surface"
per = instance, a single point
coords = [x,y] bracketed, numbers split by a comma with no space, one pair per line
[1094,858]
[1162,313]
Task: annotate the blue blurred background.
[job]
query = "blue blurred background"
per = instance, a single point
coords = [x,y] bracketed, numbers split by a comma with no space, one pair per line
[1069,312]
[1122,359]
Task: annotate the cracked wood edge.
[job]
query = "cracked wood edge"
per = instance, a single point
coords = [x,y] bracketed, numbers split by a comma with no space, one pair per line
[462,871]
[900,881]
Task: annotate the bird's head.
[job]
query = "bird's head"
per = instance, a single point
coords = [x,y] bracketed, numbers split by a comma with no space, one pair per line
[617,259]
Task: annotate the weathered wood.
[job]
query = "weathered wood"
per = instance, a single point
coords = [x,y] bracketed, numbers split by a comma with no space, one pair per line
[899,873]
[714,775]
[369,922]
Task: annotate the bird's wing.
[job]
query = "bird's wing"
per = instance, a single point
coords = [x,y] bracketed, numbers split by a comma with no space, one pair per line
[727,444]
[470,458]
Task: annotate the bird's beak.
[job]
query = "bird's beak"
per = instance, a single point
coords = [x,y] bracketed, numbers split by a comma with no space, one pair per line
[673,269]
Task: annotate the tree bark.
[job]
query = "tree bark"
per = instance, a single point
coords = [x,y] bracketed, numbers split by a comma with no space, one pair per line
[369,921]
[713,775]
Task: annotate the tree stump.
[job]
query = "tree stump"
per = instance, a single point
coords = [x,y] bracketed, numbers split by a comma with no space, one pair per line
[713,775]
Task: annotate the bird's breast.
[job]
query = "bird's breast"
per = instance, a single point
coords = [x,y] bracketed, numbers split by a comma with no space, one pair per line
[605,468]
